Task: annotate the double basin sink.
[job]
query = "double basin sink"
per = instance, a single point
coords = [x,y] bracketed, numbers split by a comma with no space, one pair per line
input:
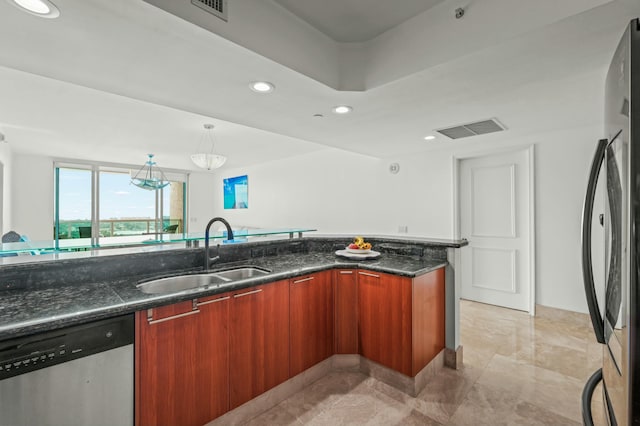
[201,280]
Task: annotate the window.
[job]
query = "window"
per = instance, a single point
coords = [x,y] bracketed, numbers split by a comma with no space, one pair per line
[73,197]
[98,202]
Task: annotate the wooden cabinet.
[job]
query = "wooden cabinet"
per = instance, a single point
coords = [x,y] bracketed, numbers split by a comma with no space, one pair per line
[259,340]
[427,318]
[401,319]
[346,311]
[182,362]
[385,319]
[311,320]
[195,360]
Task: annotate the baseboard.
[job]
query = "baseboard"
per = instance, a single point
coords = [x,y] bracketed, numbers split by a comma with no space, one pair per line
[563,315]
[410,385]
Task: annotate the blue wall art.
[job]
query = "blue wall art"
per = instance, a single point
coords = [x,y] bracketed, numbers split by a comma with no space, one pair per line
[236,192]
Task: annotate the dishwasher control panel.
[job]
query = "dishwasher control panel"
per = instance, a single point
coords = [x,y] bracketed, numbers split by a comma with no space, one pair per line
[29,353]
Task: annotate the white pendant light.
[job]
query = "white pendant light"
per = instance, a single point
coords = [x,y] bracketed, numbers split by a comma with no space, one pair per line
[208,160]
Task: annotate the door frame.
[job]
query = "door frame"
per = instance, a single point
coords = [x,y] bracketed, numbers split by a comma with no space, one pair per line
[530,152]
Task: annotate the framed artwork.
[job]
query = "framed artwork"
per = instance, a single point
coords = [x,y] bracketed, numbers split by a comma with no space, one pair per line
[236,192]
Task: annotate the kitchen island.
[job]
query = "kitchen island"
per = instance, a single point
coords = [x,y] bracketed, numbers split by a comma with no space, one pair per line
[49,295]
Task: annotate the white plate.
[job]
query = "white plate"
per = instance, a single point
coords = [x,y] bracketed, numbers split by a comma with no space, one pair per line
[363,256]
[358,251]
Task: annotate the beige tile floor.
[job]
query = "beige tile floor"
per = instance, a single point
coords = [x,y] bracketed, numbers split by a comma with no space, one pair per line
[518,370]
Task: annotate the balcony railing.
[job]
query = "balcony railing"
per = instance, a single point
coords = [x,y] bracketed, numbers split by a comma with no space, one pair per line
[119,227]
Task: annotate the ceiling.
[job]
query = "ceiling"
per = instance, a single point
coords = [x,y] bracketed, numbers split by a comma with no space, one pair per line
[115,80]
[355,20]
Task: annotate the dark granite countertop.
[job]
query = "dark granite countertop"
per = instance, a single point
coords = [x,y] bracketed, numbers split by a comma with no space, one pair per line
[46,307]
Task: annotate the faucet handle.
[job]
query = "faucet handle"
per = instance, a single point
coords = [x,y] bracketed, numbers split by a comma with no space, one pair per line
[212,260]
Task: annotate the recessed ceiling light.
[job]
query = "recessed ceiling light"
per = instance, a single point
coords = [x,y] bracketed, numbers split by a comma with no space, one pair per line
[41,8]
[429,138]
[342,109]
[262,87]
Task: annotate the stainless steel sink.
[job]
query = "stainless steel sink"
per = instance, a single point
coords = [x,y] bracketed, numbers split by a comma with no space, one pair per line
[241,273]
[197,281]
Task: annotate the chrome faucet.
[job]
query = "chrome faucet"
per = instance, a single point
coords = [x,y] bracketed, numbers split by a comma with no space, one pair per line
[208,260]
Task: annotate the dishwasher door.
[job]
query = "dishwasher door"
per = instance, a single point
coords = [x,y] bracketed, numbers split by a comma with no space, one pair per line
[76,376]
[94,390]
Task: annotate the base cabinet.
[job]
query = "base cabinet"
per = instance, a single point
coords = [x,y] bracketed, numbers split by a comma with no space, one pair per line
[346,311]
[401,320]
[385,319]
[427,318]
[311,320]
[259,340]
[198,359]
[182,363]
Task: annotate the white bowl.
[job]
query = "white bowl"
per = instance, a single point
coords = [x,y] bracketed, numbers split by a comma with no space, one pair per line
[358,251]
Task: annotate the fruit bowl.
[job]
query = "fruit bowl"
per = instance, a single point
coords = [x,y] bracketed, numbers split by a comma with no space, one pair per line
[358,251]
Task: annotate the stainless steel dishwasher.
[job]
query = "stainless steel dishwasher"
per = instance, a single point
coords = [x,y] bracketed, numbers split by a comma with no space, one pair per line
[80,375]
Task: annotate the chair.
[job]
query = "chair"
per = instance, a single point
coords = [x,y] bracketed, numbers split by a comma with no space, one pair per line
[11,237]
[171,229]
[14,237]
[85,231]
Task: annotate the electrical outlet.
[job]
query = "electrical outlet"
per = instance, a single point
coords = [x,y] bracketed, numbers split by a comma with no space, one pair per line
[403,229]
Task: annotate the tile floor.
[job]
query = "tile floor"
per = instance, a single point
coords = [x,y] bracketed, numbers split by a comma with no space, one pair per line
[518,370]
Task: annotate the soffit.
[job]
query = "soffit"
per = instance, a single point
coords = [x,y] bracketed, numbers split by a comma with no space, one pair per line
[356,20]
[546,78]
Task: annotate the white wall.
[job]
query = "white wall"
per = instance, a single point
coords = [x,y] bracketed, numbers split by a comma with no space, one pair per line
[202,190]
[562,168]
[332,191]
[338,192]
[5,190]
[32,196]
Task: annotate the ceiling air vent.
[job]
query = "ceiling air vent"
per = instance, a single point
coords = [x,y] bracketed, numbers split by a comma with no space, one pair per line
[215,7]
[472,129]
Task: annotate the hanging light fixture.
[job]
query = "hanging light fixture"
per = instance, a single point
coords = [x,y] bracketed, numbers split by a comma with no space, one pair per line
[148,177]
[208,160]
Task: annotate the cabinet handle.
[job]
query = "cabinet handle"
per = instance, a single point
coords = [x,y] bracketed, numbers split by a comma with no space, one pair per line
[303,280]
[150,319]
[369,275]
[213,301]
[247,293]
[346,272]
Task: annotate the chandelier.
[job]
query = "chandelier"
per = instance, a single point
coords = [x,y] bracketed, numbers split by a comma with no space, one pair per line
[148,177]
[208,160]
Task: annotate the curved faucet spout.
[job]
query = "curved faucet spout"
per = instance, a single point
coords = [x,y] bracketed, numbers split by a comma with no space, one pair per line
[208,259]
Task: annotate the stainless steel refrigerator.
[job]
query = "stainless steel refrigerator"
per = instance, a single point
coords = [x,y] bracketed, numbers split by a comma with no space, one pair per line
[617,326]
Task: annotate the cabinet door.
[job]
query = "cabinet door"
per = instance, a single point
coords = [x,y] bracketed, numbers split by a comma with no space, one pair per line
[181,367]
[311,320]
[384,303]
[214,347]
[346,311]
[428,318]
[259,340]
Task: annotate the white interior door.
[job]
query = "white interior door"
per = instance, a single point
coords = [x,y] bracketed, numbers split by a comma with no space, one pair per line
[495,216]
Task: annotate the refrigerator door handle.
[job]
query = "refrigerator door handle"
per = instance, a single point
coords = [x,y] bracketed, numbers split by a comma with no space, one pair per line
[587,395]
[587,264]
